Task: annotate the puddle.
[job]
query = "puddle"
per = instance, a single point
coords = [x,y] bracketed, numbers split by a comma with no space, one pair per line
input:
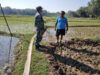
[51,31]
[50,35]
[79,32]
[4,49]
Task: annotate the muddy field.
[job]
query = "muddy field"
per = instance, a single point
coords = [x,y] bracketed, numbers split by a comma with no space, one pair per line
[72,57]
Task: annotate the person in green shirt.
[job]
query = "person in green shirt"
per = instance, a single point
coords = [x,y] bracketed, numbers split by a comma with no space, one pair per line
[39,24]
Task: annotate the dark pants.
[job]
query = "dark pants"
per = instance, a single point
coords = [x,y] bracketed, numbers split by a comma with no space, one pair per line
[39,36]
[60,32]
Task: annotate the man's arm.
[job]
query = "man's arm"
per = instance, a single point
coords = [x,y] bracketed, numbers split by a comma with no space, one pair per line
[67,27]
[55,26]
[37,21]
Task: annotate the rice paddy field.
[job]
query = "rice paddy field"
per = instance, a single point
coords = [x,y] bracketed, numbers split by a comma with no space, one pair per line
[83,27]
[48,60]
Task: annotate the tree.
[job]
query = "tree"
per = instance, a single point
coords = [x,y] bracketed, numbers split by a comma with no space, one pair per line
[72,14]
[83,12]
[94,8]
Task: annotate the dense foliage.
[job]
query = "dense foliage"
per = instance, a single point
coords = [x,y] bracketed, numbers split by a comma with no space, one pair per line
[92,10]
[72,14]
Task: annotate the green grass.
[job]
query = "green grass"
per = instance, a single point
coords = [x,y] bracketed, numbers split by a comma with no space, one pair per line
[39,64]
[95,38]
[84,32]
[18,24]
[25,24]
[75,21]
[77,39]
[21,55]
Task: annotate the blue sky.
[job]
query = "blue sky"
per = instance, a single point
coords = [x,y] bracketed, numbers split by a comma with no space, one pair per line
[49,5]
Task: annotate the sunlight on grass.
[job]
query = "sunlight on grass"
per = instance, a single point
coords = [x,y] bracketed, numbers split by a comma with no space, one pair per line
[25,24]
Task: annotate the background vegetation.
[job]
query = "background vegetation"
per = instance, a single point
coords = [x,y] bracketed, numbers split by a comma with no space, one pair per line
[88,11]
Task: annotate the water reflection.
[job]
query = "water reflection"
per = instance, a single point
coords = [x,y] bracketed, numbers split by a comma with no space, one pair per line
[4,49]
[50,35]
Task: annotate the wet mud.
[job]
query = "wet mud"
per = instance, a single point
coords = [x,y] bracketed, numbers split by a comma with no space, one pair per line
[73,57]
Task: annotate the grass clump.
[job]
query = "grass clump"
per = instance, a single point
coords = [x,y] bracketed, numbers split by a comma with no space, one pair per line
[21,55]
[95,38]
[78,39]
[39,63]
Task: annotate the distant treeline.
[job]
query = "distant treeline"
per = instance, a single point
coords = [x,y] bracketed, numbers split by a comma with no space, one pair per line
[92,10]
[30,12]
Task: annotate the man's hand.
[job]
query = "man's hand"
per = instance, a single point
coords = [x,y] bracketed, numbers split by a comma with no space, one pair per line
[55,26]
[42,32]
[67,27]
[66,30]
[55,29]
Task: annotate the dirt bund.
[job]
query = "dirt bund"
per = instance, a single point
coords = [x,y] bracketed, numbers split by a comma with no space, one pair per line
[74,57]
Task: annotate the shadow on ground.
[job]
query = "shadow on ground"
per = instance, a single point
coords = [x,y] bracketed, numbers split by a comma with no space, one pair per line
[69,61]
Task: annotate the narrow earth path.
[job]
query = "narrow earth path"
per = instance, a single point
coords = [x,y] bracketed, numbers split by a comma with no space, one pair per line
[28,60]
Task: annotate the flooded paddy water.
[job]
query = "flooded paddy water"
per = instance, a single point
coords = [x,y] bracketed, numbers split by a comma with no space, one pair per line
[4,49]
[74,32]
[20,29]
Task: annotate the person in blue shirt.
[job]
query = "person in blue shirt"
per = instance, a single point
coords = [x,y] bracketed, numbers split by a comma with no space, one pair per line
[61,26]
